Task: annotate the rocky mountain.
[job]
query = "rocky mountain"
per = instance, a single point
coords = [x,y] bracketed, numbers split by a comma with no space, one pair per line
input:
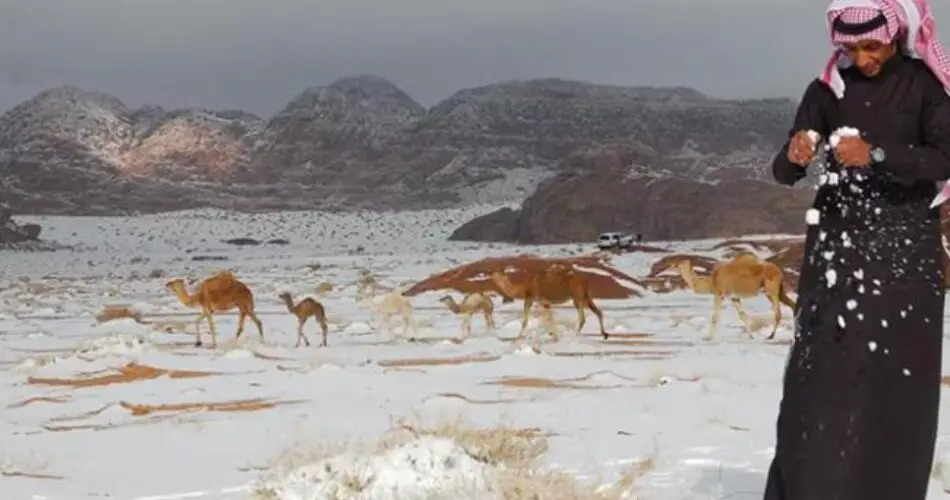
[361,142]
[608,189]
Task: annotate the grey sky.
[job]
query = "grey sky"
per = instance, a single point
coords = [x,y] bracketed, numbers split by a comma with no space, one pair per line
[257,54]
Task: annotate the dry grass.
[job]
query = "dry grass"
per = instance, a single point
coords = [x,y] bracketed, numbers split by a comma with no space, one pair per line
[111,313]
[516,454]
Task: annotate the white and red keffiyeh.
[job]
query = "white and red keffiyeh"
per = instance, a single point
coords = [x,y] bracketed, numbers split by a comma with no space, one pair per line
[911,21]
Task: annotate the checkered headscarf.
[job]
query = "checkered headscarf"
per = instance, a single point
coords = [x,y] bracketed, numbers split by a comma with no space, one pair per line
[846,25]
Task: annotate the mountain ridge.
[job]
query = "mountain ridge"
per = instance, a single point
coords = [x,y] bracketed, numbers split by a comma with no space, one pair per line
[361,142]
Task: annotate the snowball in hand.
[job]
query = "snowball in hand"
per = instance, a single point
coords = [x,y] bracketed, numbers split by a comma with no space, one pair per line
[843,132]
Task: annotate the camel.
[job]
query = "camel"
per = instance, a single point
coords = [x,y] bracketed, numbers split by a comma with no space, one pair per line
[550,286]
[472,303]
[304,310]
[367,286]
[745,275]
[390,305]
[220,292]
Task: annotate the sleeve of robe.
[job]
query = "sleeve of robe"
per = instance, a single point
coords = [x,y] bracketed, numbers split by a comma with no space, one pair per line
[810,116]
[930,160]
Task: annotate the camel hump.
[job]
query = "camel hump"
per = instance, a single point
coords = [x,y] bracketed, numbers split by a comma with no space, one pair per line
[746,257]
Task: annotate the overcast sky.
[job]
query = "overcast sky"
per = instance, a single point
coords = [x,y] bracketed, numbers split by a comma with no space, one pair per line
[257,54]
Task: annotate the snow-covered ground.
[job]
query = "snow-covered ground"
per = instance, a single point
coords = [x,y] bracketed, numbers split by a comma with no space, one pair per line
[125,410]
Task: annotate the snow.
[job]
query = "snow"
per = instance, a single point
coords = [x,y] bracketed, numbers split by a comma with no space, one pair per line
[831,276]
[842,132]
[424,468]
[812,216]
[704,421]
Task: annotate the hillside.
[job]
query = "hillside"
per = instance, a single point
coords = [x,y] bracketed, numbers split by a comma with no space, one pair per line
[361,142]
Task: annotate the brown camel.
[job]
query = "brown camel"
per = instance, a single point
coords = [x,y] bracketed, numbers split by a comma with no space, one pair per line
[304,310]
[551,286]
[472,303]
[745,275]
[221,292]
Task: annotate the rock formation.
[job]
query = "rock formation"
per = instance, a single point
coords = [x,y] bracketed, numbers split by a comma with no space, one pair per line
[608,190]
[361,142]
[13,235]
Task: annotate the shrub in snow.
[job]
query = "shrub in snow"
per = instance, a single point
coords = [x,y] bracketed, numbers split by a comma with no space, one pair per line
[422,469]
[449,461]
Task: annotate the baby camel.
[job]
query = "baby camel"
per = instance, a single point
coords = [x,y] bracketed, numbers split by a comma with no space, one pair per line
[553,285]
[742,277]
[472,303]
[390,305]
[304,310]
[221,292]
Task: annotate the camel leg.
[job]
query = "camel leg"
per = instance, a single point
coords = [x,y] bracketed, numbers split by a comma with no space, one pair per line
[468,325]
[242,317]
[581,317]
[489,321]
[386,322]
[714,321]
[747,328]
[323,327]
[201,315]
[257,323]
[528,302]
[214,332]
[600,315]
[300,334]
[773,294]
[553,329]
[409,322]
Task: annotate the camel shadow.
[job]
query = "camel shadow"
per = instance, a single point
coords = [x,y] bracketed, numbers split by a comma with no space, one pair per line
[723,481]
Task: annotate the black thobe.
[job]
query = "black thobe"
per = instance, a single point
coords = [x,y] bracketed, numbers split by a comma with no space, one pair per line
[858,416]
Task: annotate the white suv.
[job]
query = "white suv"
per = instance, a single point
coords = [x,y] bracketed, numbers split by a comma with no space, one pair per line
[614,240]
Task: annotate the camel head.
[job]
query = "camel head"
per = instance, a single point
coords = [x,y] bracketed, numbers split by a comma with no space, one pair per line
[285,296]
[175,285]
[681,265]
[447,299]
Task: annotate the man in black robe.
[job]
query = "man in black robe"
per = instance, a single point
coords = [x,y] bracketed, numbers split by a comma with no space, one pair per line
[858,417]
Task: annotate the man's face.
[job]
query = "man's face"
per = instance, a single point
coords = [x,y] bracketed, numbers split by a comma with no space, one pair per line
[869,55]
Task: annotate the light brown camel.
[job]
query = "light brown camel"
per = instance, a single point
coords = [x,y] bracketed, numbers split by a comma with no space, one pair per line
[368,286]
[390,305]
[221,292]
[551,286]
[745,275]
[471,304]
[304,310]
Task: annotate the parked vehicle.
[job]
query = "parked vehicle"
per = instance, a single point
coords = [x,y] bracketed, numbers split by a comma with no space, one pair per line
[613,240]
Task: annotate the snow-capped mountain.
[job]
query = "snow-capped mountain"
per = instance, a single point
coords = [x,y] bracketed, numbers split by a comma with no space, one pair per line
[361,142]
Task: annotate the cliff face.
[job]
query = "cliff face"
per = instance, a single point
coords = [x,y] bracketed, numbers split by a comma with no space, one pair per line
[361,142]
[610,192]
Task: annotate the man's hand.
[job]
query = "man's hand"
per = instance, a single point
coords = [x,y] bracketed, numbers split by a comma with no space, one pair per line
[801,149]
[853,152]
